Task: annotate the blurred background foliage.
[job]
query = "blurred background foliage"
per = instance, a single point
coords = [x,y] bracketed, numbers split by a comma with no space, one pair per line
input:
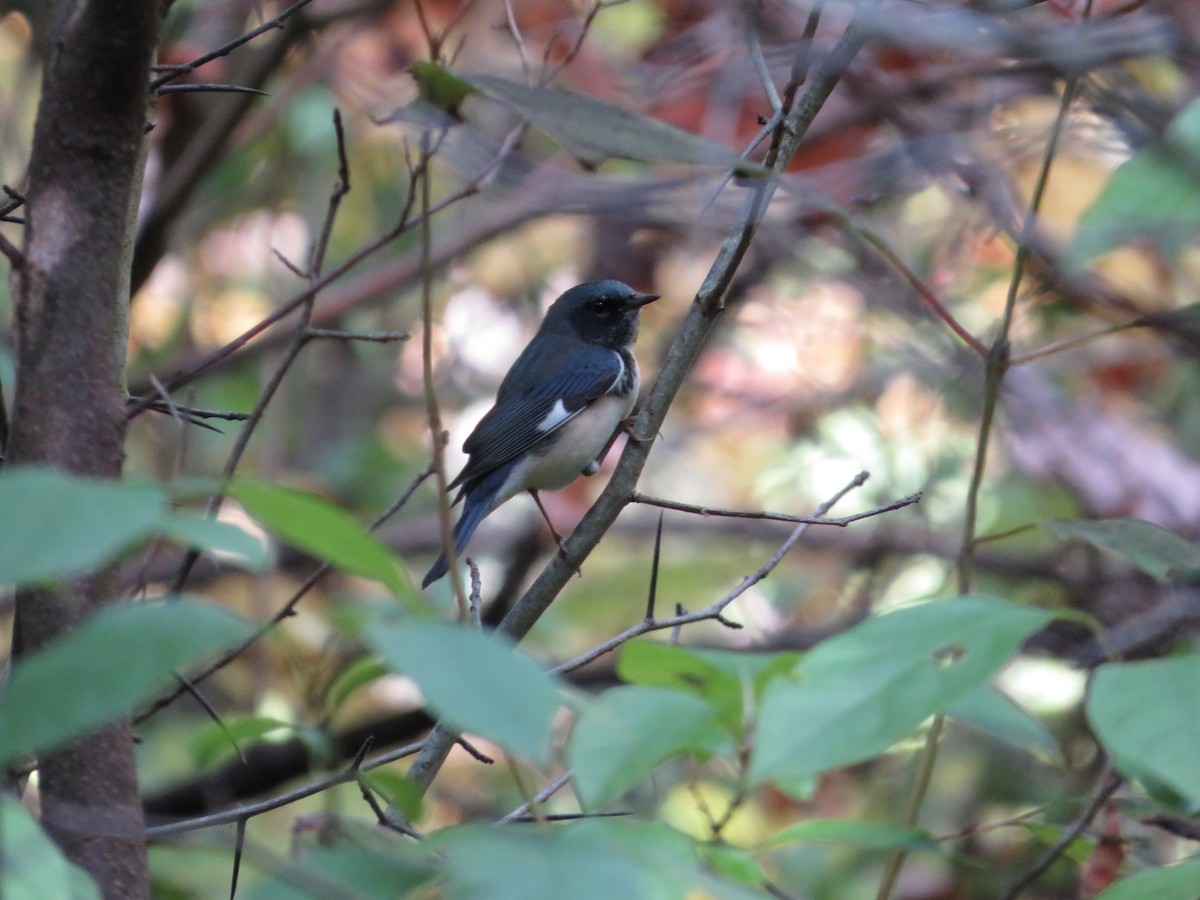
[828,362]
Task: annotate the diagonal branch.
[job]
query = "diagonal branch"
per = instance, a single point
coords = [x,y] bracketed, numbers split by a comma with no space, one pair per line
[693,332]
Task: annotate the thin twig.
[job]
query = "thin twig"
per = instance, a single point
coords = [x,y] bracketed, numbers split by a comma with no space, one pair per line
[715,610]
[539,798]
[16,258]
[175,71]
[248,811]
[995,366]
[377,337]
[1109,783]
[211,89]
[841,522]
[286,609]
[228,350]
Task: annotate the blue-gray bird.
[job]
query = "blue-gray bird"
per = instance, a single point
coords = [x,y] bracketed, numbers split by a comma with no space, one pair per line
[557,408]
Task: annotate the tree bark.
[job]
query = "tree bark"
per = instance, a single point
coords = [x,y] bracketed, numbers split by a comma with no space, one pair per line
[71,297]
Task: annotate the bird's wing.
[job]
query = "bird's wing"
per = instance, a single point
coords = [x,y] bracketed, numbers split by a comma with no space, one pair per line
[526,413]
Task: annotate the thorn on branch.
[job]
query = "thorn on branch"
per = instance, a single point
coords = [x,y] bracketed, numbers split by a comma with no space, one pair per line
[654,569]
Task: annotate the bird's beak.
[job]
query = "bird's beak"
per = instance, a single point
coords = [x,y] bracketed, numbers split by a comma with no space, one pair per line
[642,299]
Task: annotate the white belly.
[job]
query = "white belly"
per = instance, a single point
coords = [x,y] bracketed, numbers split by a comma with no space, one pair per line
[576,444]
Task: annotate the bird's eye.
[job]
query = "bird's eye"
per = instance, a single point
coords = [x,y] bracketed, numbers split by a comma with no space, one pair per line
[603,305]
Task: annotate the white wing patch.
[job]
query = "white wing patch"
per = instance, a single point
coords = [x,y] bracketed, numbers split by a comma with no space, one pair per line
[557,415]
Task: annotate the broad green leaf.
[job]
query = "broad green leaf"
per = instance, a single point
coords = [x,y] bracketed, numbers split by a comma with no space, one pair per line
[724,678]
[594,130]
[1178,882]
[733,863]
[68,524]
[580,861]
[352,860]
[224,540]
[1147,714]
[480,864]
[990,709]
[1153,549]
[327,532]
[859,692]
[620,738]
[113,661]
[476,680]
[1154,195]
[871,835]
[31,865]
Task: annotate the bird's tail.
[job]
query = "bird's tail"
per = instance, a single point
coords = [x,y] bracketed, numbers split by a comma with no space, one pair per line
[479,503]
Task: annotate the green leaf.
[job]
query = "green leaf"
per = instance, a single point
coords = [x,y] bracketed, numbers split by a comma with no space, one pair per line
[399,792]
[594,130]
[732,863]
[580,861]
[439,86]
[327,532]
[476,680]
[870,835]
[350,859]
[1147,714]
[1178,882]
[1154,195]
[1078,851]
[1156,551]
[114,660]
[724,678]
[69,524]
[990,709]
[859,692]
[216,742]
[619,738]
[480,866]
[222,539]
[356,674]
[31,865]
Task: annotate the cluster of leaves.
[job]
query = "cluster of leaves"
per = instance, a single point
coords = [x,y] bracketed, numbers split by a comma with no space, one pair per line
[770,721]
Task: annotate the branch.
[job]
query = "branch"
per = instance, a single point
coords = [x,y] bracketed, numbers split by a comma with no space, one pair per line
[772,516]
[1108,786]
[691,337]
[225,49]
[716,610]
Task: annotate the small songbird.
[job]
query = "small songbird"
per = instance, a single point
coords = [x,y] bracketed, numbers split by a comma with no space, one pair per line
[558,407]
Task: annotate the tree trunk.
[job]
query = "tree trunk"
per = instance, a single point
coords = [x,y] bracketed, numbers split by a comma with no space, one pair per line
[71,298]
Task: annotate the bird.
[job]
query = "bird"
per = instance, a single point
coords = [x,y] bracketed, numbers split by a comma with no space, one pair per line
[557,409]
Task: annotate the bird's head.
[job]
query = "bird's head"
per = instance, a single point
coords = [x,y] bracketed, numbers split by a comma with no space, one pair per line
[601,312]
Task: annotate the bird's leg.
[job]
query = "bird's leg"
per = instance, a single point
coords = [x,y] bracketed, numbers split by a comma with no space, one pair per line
[558,538]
